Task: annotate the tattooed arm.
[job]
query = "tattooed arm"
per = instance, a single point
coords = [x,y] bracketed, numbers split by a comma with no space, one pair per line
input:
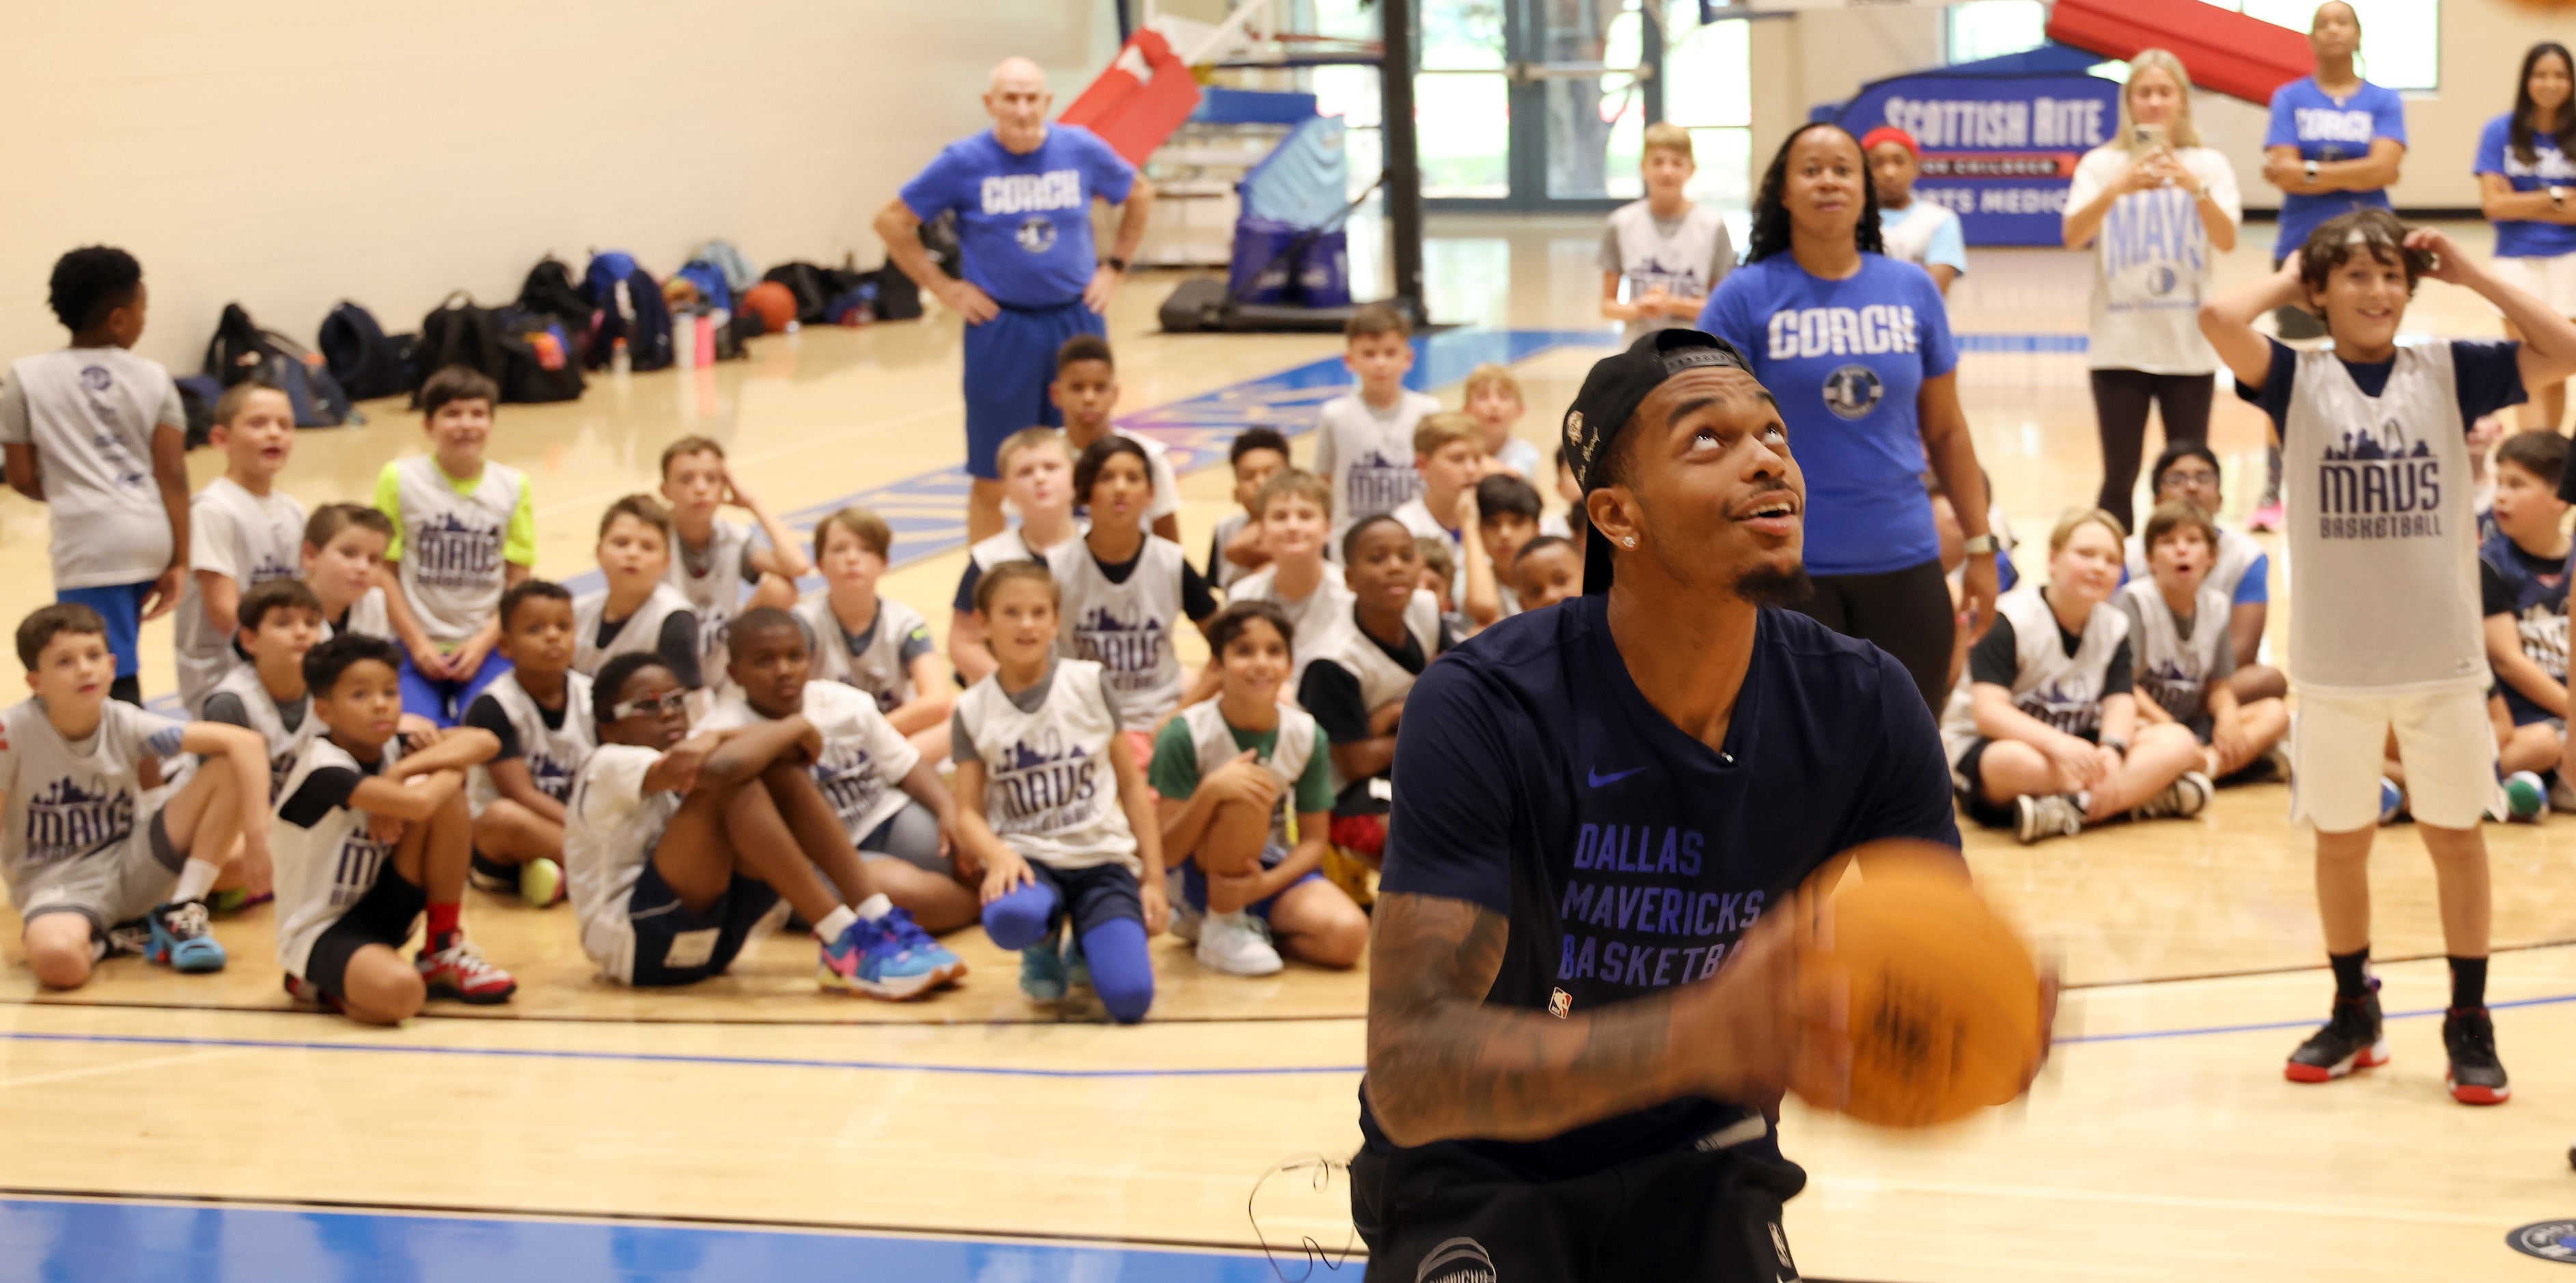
[1442,1065]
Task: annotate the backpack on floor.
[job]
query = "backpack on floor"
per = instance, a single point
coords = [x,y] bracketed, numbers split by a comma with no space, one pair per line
[737,269]
[549,292]
[709,281]
[367,362]
[460,332]
[898,299]
[805,281]
[630,308]
[538,359]
[241,351]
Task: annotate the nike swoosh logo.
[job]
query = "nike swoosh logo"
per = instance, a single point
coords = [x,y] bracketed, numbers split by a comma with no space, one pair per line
[1599,779]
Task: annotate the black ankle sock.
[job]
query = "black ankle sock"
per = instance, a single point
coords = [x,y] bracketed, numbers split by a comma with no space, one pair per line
[129,689]
[2352,972]
[490,867]
[2468,983]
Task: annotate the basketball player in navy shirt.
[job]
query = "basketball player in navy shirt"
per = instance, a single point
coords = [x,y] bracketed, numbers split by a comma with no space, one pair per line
[1022,193]
[1583,990]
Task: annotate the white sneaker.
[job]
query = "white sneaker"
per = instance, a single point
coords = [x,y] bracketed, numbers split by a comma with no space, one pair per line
[2180,800]
[1237,944]
[1185,916]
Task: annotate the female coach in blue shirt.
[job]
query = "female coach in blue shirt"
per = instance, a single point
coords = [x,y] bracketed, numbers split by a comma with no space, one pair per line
[1855,346]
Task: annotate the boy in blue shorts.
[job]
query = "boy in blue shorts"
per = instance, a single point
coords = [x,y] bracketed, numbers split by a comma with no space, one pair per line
[95,433]
[1022,194]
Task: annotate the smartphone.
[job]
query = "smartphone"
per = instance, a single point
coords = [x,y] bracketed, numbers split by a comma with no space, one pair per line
[2148,137]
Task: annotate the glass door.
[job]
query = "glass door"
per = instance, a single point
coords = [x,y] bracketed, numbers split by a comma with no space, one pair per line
[1535,104]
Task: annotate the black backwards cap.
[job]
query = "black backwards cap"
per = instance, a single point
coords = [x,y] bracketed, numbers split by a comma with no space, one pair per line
[1611,394]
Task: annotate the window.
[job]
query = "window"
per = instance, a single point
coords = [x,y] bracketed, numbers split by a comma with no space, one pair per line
[1992,28]
[1708,75]
[2401,40]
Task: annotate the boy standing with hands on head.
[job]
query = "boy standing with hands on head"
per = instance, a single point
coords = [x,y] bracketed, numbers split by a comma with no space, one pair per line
[465,530]
[1669,252]
[1086,391]
[2384,617]
[96,434]
[713,559]
[1364,439]
[86,848]
[244,533]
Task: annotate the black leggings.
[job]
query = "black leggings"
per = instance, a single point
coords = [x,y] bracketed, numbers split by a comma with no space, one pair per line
[1903,612]
[2120,400]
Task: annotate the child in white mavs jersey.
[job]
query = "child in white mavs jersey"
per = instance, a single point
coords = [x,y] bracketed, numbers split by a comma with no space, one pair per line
[2385,629]
[242,533]
[1364,439]
[96,434]
[2044,736]
[1668,252]
[1053,808]
[715,562]
[85,848]
[1037,476]
[538,714]
[1125,590]
[465,529]
[636,611]
[2183,656]
[873,643]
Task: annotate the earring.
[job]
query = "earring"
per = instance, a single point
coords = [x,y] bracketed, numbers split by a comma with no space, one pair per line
[1632,541]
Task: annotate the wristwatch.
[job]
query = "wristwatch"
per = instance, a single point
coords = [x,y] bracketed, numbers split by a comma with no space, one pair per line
[2311,169]
[2557,198]
[1979,545]
[1116,262]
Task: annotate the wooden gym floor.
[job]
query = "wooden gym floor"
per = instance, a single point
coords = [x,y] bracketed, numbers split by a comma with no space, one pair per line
[751,1126]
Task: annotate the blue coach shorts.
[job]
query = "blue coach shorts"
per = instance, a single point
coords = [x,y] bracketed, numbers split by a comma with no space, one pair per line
[1010,360]
[121,605]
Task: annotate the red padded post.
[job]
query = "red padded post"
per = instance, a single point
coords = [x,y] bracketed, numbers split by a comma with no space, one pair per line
[2231,53]
[1144,95]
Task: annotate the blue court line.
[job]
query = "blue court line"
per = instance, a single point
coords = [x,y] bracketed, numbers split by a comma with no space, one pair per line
[671,1058]
[1008,1071]
[2051,343]
[53,1239]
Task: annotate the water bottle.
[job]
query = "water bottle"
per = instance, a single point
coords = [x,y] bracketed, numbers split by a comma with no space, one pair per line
[684,339]
[619,363]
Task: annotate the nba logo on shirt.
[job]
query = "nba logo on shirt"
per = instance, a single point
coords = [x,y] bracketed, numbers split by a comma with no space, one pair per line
[1559,1003]
[1852,391]
[1036,234]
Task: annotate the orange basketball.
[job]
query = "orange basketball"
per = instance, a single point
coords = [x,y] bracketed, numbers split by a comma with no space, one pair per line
[1945,1002]
[775,303]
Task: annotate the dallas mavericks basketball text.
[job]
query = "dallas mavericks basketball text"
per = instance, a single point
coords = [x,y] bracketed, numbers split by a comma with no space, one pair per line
[1707,916]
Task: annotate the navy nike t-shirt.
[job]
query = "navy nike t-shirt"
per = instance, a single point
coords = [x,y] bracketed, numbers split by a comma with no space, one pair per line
[1629,856]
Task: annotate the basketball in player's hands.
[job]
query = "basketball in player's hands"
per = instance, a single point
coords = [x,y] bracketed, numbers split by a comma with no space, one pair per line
[1945,1010]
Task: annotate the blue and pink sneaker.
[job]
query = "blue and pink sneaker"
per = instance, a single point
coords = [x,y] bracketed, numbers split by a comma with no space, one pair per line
[889,957]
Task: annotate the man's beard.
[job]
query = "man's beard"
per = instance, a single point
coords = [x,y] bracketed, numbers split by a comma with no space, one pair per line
[1769,586]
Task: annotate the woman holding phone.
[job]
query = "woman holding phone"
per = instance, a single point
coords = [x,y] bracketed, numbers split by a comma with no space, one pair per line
[2156,205]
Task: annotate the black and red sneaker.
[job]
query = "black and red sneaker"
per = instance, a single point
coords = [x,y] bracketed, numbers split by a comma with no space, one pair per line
[2476,1076]
[2352,1039]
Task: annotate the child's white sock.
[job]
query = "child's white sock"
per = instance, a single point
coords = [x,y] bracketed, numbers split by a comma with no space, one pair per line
[195,880]
[873,908]
[840,919]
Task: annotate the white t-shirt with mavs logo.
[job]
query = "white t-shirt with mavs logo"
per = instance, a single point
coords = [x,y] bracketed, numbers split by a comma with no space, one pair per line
[2151,263]
[452,545]
[70,799]
[1050,792]
[247,538]
[551,744]
[327,859]
[1367,455]
[1685,256]
[2026,652]
[2384,540]
[1126,625]
[864,758]
[90,412]
[1847,360]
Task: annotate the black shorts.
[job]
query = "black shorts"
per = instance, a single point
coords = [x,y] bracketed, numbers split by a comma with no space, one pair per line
[383,915]
[1970,777]
[1091,896]
[674,946]
[1440,1214]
